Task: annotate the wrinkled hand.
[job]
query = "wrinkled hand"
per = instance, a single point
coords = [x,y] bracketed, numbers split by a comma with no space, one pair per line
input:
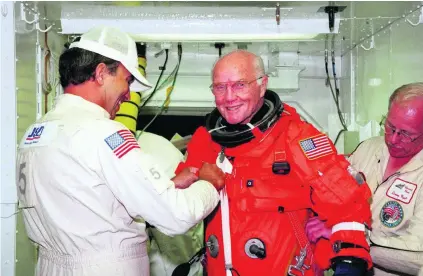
[213,174]
[185,178]
[316,229]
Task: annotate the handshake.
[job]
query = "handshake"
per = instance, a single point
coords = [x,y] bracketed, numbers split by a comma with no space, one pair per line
[208,172]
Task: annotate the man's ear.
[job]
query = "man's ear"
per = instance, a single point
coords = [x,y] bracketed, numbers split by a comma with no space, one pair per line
[263,85]
[100,72]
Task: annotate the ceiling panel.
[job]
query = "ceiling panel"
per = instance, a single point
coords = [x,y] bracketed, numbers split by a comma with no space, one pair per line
[359,21]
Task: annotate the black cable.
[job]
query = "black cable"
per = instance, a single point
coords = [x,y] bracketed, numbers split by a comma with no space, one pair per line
[175,76]
[382,120]
[335,96]
[171,76]
[179,62]
[173,83]
[162,68]
[338,136]
[328,82]
[176,73]
[335,81]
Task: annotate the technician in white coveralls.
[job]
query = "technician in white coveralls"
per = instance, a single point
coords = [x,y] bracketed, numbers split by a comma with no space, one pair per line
[83,179]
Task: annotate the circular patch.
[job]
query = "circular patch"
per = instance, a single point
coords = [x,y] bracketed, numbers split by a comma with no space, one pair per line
[391,214]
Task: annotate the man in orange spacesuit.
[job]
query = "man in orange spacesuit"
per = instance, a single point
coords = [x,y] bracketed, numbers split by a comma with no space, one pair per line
[278,168]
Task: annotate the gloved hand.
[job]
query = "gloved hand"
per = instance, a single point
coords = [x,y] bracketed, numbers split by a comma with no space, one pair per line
[316,229]
[349,266]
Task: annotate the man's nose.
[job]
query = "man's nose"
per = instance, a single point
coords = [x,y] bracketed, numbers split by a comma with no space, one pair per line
[230,95]
[395,138]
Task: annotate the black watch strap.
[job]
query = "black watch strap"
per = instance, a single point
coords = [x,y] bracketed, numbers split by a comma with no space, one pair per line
[339,245]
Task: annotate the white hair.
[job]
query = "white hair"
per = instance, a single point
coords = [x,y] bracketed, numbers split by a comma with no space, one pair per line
[258,63]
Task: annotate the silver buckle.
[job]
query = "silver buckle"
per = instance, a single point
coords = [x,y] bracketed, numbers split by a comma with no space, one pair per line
[300,265]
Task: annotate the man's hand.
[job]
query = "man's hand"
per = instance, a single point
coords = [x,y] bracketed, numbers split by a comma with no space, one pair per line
[185,178]
[213,174]
[316,229]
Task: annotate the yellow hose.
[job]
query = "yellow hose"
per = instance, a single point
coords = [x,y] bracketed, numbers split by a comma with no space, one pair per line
[168,92]
[128,112]
[142,64]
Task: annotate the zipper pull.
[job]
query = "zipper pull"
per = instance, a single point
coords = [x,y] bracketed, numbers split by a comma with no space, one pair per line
[222,155]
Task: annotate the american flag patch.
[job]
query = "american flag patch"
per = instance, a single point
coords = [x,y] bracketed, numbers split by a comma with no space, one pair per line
[316,147]
[122,142]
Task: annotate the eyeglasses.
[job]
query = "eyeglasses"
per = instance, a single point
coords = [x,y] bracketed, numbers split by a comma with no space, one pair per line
[403,136]
[220,88]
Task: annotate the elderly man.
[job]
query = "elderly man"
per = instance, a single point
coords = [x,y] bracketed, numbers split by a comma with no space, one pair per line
[277,169]
[393,167]
[83,179]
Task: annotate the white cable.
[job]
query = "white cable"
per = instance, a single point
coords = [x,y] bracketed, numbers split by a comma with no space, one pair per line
[226,232]
[211,130]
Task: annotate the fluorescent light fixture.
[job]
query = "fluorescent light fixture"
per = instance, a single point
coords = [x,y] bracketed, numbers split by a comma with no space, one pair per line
[220,37]
[194,24]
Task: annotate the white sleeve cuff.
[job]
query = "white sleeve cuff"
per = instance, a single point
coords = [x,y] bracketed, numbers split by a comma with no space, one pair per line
[348,226]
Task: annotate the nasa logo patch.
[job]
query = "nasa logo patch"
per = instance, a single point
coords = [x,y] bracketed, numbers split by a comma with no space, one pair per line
[391,214]
[34,135]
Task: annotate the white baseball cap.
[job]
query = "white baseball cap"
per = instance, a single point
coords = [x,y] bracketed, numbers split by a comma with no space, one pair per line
[117,45]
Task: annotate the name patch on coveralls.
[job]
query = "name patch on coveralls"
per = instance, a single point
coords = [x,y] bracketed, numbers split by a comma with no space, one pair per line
[401,190]
[122,142]
[316,147]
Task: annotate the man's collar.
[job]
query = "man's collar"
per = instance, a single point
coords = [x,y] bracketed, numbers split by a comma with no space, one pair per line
[72,101]
[413,164]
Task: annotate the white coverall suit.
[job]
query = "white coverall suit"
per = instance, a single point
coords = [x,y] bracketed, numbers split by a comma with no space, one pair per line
[82,180]
[167,252]
[397,208]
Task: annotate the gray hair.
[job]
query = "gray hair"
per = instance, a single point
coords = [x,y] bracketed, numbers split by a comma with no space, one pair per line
[258,62]
[259,66]
[406,93]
